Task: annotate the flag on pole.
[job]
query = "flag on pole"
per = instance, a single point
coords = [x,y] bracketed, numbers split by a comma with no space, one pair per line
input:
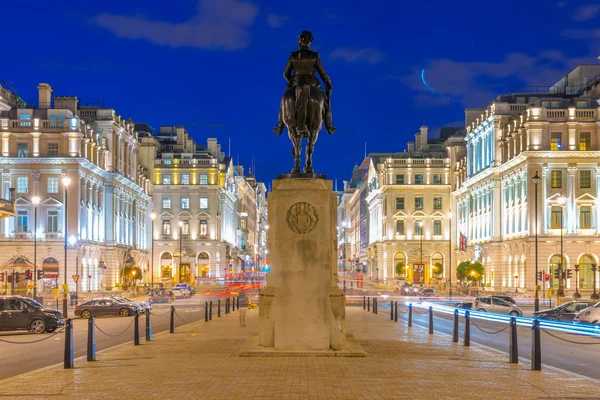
[463,242]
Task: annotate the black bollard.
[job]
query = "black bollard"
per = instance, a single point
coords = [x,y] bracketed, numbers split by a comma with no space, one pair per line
[467,338]
[410,315]
[391,310]
[148,327]
[172,323]
[136,330]
[205,311]
[513,348]
[219,308]
[210,311]
[91,344]
[69,350]
[227,305]
[369,304]
[430,320]
[455,330]
[375,308]
[238,303]
[364,302]
[233,302]
[396,311]
[536,347]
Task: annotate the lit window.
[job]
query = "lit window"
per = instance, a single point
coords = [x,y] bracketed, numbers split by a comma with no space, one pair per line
[400,227]
[585,179]
[437,203]
[52,149]
[585,217]
[437,179]
[556,179]
[52,184]
[167,161]
[204,179]
[185,203]
[418,179]
[22,221]
[437,228]
[185,228]
[166,203]
[203,203]
[22,150]
[399,203]
[22,184]
[555,141]
[584,141]
[418,203]
[52,224]
[166,227]
[418,228]
[400,179]
[166,179]
[203,228]
[185,179]
[556,218]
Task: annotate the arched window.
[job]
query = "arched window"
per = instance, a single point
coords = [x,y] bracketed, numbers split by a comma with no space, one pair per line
[400,265]
[203,266]
[166,265]
[553,266]
[586,275]
[437,265]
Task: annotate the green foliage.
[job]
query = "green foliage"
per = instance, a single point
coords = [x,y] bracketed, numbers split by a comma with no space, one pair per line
[467,270]
[438,268]
[400,268]
[131,273]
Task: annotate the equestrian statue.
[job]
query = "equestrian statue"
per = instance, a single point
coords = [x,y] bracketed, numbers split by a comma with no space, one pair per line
[304,105]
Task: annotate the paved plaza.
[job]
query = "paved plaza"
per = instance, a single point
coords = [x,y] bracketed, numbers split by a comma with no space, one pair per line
[200,361]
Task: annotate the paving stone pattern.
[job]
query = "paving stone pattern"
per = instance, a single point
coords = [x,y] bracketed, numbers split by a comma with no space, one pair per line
[199,362]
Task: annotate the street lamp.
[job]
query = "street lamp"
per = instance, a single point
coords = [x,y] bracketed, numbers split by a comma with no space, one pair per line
[536,181]
[35,200]
[180,243]
[450,255]
[152,217]
[594,270]
[562,200]
[576,295]
[66,182]
[421,234]
[516,276]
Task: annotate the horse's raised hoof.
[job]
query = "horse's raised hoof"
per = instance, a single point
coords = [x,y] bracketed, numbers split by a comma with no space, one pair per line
[331,129]
[278,129]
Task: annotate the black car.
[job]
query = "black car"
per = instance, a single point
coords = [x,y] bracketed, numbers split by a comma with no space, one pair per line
[565,312]
[23,313]
[464,304]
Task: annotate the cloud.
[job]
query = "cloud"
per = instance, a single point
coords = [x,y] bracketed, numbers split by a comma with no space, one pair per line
[586,13]
[368,54]
[219,24]
[276,21]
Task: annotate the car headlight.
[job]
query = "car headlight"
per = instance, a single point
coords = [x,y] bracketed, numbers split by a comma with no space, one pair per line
[51,315]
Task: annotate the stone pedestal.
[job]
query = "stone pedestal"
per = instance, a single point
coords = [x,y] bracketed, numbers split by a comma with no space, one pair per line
[302,308]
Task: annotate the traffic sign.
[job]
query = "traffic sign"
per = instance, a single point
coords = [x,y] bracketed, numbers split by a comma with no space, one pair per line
[75,278]
[55,292]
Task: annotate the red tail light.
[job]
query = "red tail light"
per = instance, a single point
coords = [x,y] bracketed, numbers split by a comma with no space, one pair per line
[76,308]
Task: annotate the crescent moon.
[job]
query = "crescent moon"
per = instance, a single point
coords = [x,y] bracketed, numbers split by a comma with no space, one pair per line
[425,82]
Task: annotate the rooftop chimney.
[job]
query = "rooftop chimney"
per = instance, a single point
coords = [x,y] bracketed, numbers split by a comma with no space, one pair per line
[411,147]
[44,95]
[423,135]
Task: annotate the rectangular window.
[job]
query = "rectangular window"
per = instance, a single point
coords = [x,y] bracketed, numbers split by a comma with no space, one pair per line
[22,150]
[582,104]
[204,203]
[166,227]
[185,228]
[22,184]
[400,227]
[400,179]
[204,179]
[418,179]
[418,203]
[166,179]
[437,179]
[437,228]
[555,218]
[52,184]
[185,203]
[52,149]
[203,228]
[166,203]
[185,179]
[418,228]
[584,141]
[437,203]
[556,179]
[399,203]
[585,179]
[585,217]
[52,225]
[22,221]
[555,141]
[167,161]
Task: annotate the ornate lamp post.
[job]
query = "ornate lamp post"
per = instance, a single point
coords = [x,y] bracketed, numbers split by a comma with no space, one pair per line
[562,200]
[152,217]
[66,182]
[516,276]
[450,255]
[576,295]
[35,200]
[536,181]
[594,270]
[421,267]
[180,243]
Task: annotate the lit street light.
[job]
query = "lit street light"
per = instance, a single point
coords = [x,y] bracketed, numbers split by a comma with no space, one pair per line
[66,181]
[516,276]
[536,180]
[35,200]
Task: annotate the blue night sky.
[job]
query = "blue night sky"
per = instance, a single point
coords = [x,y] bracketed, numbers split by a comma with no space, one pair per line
[215,66]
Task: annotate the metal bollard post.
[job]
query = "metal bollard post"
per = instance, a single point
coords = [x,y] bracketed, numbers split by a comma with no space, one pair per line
[364,302]
[536,347]
[376,304]
[455,329]
[430,320]
[219,308]
[233,302]
[410,315]
[91,344]
[148,327]
[369,304]
[467,338]
[238,303]
[136,330]
[69,350]
[513,348]
[396,312]
[227,305]
[172,322]
[391,310]
[205,311]
[210,310]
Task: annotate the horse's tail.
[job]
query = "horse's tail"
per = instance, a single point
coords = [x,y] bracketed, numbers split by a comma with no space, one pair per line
[302,97]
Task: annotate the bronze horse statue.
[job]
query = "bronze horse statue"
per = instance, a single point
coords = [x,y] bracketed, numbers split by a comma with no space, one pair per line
[304,104]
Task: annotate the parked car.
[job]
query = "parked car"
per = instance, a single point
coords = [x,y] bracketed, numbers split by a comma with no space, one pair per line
[566,312]
[467,305]
[23,313]
[144,305]
[590,315]
[496,305]
[428,294]
[190,288]
[178,292]
[102,307]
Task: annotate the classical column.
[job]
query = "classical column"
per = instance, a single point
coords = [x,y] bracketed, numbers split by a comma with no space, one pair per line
[571,215]
[597,197]
[545,210]
[497,208]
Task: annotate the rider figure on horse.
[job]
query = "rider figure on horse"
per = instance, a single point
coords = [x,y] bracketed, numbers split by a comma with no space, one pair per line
[300,70]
